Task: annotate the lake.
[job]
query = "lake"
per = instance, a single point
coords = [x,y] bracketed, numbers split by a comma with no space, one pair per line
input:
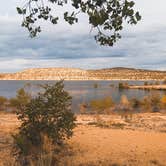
[81,91]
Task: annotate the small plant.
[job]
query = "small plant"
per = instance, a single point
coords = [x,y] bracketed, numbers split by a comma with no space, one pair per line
[123,85]
[146,83]
[95,85]
[157,83]
[146,104]
[46,115]
[83,108]
[164,82]
[163,102]
[101,105]
[155,102]
[125,109]
[135,103]
[21,100]
[3,103]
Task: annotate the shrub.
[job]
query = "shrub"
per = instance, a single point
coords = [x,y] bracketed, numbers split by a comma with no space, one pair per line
[163,102]
[83,108]
[21,100]
[146,104]
[123,85]
[124,100]
[100,105]
[3,102]
[157,83]
[46,115]
[164,81]
[135,103]
[145,83]
[155,102]
[125,109]
[95,85]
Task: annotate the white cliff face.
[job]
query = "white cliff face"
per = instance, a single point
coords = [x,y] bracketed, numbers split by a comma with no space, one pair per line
[79,74]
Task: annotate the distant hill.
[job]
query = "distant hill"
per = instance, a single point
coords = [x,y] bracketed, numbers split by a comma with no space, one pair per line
[118,73]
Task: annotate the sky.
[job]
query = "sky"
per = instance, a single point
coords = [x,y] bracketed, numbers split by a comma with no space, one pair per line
[142,46]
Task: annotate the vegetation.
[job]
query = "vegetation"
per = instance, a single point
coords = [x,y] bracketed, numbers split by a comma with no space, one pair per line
[123,85]
[107,17]
[3,103]
[163,102]
[101,105]
[21,100]
[95,85]
[45,118]
[145,83]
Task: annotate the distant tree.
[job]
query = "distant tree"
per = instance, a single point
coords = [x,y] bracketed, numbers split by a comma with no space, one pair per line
[106,16]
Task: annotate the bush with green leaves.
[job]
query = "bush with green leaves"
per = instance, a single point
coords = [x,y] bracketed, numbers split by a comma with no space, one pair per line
[21,100]
[107,17]
[49,115]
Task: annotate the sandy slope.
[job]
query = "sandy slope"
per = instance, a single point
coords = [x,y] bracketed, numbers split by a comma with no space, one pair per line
[103,146]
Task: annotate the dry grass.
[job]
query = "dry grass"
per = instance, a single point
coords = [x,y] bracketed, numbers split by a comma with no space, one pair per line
[118,143]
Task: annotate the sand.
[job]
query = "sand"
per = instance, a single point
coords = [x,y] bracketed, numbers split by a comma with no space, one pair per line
[91,145]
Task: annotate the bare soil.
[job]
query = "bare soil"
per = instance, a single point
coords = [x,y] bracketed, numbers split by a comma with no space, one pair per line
[140,141]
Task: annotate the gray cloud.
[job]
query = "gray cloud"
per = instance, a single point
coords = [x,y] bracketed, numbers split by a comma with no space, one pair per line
[142,46]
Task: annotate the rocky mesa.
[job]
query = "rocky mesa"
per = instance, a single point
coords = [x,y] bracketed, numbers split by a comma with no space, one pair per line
[118,73]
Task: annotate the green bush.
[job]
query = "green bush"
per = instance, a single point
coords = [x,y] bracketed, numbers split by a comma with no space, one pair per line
[46,115]
[21,100]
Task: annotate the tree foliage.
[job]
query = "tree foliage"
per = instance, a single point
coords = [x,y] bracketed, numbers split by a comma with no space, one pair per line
[21,100]
[48,114]
[107,16]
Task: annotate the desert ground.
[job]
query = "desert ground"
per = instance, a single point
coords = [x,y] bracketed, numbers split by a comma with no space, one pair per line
[104,140]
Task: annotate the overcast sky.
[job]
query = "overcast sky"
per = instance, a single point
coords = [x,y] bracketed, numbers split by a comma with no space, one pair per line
[141,46]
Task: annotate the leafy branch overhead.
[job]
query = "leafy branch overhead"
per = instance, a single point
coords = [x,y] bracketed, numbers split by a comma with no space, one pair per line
[107,16]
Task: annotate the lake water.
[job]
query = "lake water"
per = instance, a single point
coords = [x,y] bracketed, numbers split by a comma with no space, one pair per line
[81,91]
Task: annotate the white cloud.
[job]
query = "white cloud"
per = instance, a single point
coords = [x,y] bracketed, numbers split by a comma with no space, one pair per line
[142,46]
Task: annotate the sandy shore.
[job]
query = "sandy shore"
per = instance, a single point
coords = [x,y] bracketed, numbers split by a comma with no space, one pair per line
[148,87]
[141,141]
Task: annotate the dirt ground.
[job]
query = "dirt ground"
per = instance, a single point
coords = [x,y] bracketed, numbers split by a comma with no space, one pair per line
[140,141]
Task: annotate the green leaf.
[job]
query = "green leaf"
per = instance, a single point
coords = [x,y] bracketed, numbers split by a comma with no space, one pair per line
[138,17]
[19,10]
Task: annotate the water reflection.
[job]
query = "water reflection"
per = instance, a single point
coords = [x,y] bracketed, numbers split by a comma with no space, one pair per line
[81,91]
